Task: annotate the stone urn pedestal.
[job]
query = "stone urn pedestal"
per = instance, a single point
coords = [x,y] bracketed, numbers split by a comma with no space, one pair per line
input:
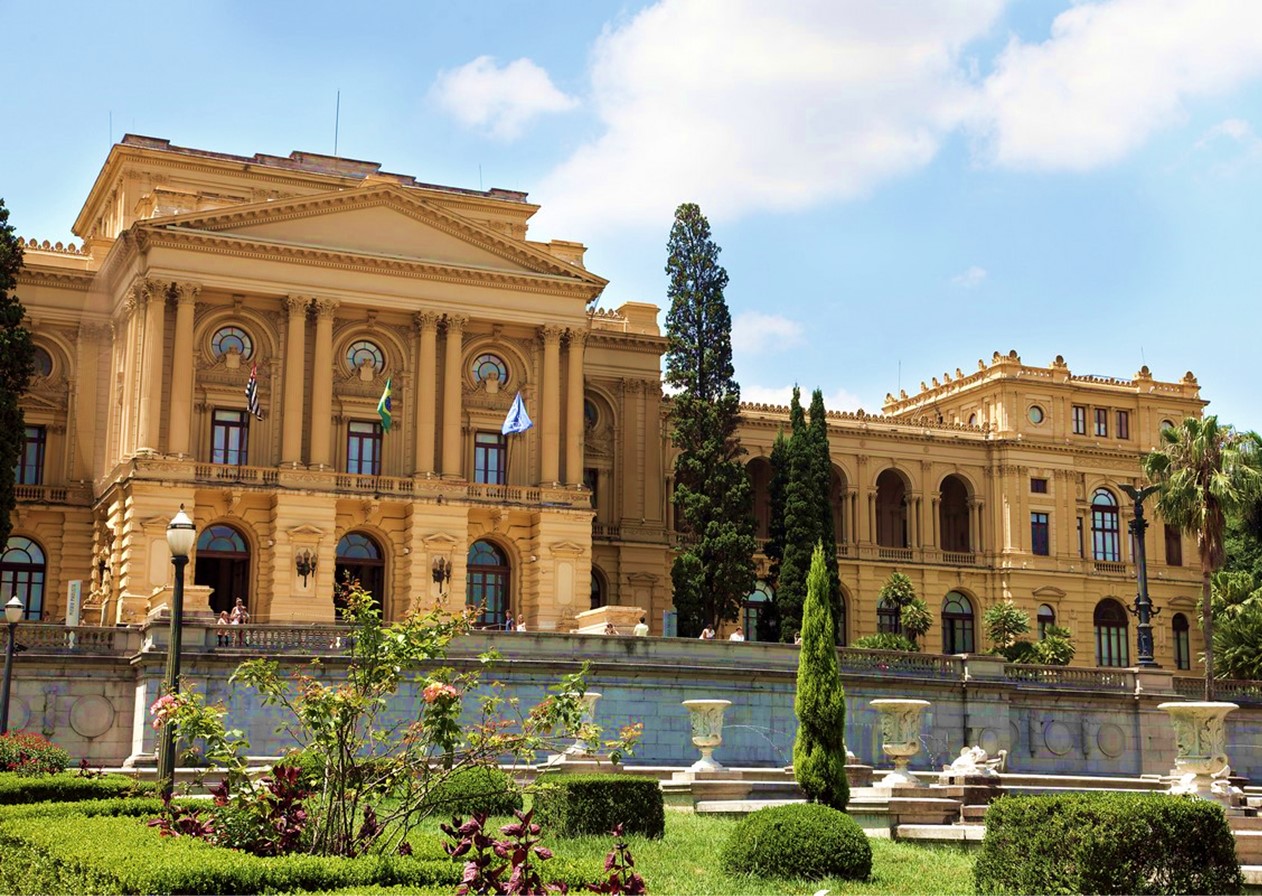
[900,739]
[1200,765]
[706,717]
[578,757]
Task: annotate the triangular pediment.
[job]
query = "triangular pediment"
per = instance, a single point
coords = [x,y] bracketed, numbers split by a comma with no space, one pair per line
[384,222]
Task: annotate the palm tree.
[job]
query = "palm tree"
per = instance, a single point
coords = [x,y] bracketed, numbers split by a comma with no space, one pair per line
[1205,471]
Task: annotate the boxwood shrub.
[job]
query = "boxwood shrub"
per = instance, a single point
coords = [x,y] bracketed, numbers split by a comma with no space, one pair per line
[806,840]
[1106,843]
[579,805]
[466,791]
[67,787]
[80,852]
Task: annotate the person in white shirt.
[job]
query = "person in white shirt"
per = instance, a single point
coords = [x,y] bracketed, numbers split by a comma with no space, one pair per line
[707,634]
[641,628]
[737,635]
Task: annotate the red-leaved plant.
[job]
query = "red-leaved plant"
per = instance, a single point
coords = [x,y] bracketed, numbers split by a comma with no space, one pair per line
[618,865]
[489,859]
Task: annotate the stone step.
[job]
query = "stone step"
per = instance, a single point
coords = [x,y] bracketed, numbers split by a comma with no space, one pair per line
[1248,847]
[941,833]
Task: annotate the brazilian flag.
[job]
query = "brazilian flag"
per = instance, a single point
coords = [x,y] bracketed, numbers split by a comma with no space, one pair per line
[383,408]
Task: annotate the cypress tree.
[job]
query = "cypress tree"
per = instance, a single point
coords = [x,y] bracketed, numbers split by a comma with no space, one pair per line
[17,362]
[819,750]
[822,480]
[714,570]
[800,522]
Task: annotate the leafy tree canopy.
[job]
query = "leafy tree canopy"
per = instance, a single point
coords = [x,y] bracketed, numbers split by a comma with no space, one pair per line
[17,362]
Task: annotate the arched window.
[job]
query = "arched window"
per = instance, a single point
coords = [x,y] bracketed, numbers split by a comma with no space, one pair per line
[1046,617]
[223,565]
[1105,531]
[957,623]
[1182,647]
[1110,634]
[43,361]
[888,618]
[22,571]
[359,559]
[488,584]
[953,516]
[599,593]
[891,510]
[755,606]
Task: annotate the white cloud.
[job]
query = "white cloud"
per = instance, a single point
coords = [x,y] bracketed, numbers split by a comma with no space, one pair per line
[498,100]
[755,331]
[970,278]
[743,105]
[1111,74]
[838,400]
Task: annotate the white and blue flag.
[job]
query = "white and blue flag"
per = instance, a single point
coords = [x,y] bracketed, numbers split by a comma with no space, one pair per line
[517,420]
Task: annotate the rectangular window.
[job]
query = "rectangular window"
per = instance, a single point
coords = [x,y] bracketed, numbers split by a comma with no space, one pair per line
[1038,534]
[1174,546]
[489,454]
[1080,420]
[30,466]
[363,448]
[1123,424]
[228,437]
[591,477]
[1102,422]
[1038,486]
[1081,547]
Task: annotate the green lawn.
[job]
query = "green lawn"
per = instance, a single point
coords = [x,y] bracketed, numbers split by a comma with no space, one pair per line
[685,863]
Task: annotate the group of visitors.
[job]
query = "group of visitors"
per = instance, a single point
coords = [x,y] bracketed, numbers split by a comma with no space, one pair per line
[707,634]
[223,626]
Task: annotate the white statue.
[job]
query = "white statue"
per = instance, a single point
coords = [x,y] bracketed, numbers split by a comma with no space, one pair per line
[974,762]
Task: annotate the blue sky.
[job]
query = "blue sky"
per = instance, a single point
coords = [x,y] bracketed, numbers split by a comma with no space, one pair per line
[899,188]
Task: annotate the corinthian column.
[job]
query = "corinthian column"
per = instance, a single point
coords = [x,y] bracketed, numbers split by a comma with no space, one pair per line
[153,296]
[295,352]
[574,423]
[426,389]
[182,369]
[453,352]
[550,407]
[322,382]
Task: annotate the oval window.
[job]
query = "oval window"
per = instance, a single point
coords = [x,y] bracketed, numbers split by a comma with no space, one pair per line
[227,339]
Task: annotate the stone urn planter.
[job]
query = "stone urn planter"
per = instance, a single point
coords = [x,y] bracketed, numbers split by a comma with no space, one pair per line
[588,699]
[900,738]
[1200,738]
[707,731]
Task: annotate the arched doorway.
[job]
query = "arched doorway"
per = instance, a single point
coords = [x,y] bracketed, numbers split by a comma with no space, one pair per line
[488,584]
[1110,634]
[891,510]
[359,559]
[755,606]
[223,565]
[1182,644]
[957,623]
[953,516]
[599,591]
[22,570]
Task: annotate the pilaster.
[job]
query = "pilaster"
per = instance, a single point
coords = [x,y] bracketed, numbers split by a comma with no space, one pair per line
[550,407]
[182,364]
[295,377]
[322,383]
[452,459]
[426,390]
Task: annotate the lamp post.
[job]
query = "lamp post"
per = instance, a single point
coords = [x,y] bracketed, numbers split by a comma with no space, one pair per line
[180,536]
[1142,608]
[13,613]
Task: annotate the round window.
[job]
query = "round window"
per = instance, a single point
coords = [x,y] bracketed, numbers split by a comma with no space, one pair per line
[489,366]
[231,339]
[1167,424]
[1036,414]
[363,353]
[43,362]
[972,419]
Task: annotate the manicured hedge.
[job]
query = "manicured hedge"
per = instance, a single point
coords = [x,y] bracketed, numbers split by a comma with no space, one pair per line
[66,787]
[805,840]
[578,805]
[1106,843]
[78,852]
[475,790]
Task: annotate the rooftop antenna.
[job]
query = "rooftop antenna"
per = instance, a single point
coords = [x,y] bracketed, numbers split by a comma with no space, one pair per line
[1142,359]
[337,120]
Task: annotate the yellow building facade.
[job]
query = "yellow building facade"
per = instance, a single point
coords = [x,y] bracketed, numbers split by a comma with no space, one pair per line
[322,283]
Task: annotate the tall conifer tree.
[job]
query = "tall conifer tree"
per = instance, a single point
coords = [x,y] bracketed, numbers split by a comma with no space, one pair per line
[800,522]
[819,749]
[822,478]
[714,570]
[17,362]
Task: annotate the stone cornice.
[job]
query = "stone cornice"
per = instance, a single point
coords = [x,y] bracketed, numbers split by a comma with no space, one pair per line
[624,340]
[382,195]
[242,247]
[78,280]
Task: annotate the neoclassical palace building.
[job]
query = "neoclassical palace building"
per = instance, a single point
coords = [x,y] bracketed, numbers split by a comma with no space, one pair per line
[330,283]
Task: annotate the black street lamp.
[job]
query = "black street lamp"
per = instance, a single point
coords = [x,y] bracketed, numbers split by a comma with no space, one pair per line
[181,534]
[13,613]
[1142,608]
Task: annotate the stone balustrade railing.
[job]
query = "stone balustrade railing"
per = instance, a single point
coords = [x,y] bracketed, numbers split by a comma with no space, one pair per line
[1069,676]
